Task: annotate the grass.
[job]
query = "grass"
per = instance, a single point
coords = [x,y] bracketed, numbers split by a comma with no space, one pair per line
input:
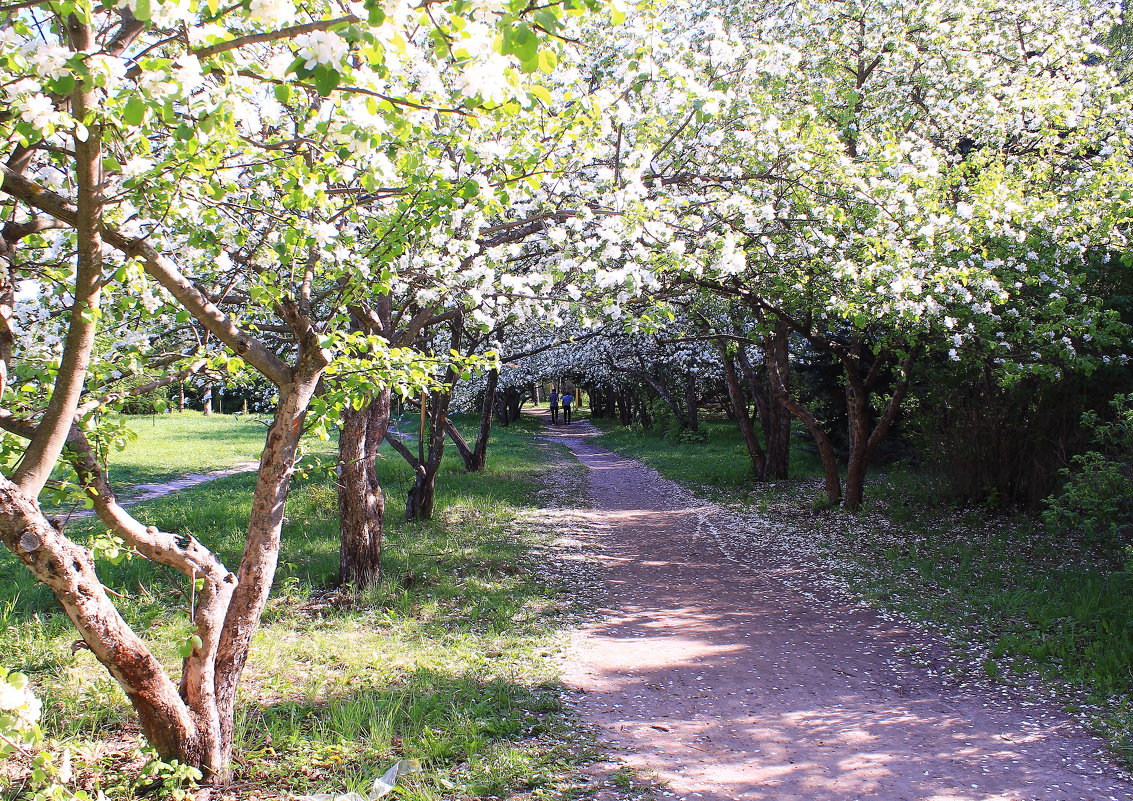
[166,446]
[1019,603]
[714,459]
[446,661]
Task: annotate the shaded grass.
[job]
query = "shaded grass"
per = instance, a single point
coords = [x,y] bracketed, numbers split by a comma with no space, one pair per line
[446,660]
[715,460]
[1015,598]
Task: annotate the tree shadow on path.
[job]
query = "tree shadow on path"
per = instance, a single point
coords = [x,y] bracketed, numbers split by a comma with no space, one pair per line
[731,684]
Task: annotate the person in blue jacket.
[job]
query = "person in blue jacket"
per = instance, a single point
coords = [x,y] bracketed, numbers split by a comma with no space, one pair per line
[567,399]
[554,399]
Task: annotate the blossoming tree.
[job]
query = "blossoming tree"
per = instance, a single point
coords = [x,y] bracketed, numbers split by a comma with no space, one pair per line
[214,164]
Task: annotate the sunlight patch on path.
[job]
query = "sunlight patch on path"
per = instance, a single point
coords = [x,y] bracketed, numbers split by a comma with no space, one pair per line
[732,673]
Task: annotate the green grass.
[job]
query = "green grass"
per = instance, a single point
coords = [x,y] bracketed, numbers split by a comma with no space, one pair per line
[172,445]
[1015,599]
[713,459]
[447,661]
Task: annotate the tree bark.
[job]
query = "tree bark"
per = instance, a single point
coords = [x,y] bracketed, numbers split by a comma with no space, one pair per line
[43,451]
[743,418]
[261,550]
[775,418]
[422,496]
[863,440]
[361,502]
[692,423]
[509,404]
[831,472]
[68,570]
[476,457]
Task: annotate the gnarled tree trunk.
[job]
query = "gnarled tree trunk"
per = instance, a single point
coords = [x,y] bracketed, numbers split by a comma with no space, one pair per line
[261,550]
[774,417]
[831,472]
[863,439]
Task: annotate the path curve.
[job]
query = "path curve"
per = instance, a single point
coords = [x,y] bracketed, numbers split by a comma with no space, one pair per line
[729,683]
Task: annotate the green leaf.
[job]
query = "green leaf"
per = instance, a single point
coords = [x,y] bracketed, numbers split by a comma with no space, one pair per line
[326,79]
[134,112]
[298,67]
[283,93]
[548,60]
[191,643]
[143,10]
[64,85]
[540,92]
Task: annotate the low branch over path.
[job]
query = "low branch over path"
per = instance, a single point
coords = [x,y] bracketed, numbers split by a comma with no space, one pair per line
[734,675]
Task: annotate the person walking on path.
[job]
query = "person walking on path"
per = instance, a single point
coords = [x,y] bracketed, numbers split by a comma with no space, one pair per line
[567,400]
[554,399]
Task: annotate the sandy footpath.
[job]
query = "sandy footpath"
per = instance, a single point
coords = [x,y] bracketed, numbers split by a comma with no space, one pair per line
[727,683]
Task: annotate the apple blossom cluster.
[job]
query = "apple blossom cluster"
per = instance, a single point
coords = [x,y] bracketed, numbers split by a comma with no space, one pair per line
[869,162]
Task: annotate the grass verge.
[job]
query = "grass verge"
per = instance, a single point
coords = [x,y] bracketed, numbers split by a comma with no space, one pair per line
[166,446]
[713,459]
[1019,604]
[446,661]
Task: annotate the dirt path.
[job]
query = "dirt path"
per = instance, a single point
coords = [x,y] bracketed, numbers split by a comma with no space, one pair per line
[147,492]
[729,683]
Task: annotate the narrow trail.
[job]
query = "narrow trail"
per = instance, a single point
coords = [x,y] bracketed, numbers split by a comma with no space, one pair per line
[147,492]
[729,683]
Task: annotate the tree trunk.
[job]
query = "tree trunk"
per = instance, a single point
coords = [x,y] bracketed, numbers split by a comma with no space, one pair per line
[743,417]
[830,469]
[774,417]
[44,449]
[261,551]
[510,401]
[419,504]
[776,422]
[692,423]
[863,441]
[477,456]
[361,502]
[423,493]
[857,414]
[625,408]
[68,570]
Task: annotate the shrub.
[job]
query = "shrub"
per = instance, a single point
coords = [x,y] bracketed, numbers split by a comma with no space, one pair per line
[1097,498]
